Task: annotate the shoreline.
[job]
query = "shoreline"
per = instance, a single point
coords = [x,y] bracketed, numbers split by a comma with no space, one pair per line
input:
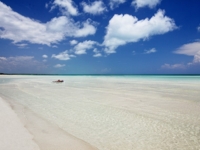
[40,134]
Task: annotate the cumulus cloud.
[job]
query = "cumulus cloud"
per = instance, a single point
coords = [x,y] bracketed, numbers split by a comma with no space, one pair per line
[95,8]
[82,47]
[190,49]
[174,66]
[97,53]
[115,3]
[44,56]
[67,7]
[85,29]
[78,49]
[145,3]
[153,50]
[19,64]
[73,42]
[59,65]
[196,58]
[63,26]
[63,55]
[123,29]
[18,28]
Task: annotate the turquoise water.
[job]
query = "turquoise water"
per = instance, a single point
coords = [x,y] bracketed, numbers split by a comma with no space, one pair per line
[180,77]
[183,79]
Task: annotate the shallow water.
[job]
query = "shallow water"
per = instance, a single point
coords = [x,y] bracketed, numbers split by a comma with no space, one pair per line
[116,112]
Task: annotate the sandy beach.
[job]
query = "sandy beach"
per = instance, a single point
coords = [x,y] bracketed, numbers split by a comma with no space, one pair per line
[99,112]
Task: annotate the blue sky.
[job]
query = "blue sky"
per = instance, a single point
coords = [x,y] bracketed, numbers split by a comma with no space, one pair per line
[100,37]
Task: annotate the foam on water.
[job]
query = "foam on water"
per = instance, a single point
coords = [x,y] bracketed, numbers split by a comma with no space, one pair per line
[116,112]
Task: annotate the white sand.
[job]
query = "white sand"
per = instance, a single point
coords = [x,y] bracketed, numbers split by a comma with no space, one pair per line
[48,136]
[109,113]
[13,135]
[33,132]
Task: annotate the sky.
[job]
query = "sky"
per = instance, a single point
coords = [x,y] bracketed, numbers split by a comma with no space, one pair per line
[100,37]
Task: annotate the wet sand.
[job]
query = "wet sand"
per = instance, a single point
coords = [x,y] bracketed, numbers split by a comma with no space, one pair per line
[107,113]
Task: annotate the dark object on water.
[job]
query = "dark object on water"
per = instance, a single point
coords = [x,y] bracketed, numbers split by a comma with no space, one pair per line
[59,81]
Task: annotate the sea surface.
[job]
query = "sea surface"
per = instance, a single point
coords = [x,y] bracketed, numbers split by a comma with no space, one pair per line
[115,112]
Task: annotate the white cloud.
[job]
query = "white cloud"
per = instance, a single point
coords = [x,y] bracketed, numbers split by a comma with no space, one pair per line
[78,49]
[46,5]
[115,3]
[63,56]
[123,29]
[18,28]
[95,8]
[21,58]
[66,7]
[145,3]
[190,49]
[196,58]
[198,28]
[81,47]
[153,50]
[59,65]
[174,66]
[20,45]
[54,46]
[56,25]
[3,58]
[87,29]
[97,53]
[64,26]
[20,64]
[44,56]
[73,42]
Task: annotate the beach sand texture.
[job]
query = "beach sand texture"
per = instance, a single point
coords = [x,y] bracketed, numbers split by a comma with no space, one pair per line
[105,113]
